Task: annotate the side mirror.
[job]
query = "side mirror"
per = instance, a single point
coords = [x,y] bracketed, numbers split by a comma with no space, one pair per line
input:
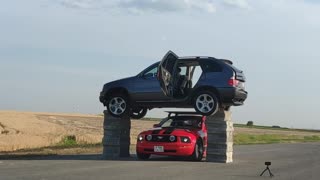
[156,125]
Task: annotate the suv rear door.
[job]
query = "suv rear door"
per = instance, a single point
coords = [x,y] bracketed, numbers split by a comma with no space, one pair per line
[166,71]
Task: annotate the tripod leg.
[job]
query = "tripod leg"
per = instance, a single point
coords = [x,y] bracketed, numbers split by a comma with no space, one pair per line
[263,172]
[270,173]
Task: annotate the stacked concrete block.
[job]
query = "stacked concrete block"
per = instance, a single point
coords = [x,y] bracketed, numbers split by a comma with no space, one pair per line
[116,139]
[220,137]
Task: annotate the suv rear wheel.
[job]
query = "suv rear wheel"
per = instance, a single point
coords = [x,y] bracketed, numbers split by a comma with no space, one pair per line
[118,105]
[206,103]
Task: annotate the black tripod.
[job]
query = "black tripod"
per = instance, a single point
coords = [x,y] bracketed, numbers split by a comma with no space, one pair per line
[267,169]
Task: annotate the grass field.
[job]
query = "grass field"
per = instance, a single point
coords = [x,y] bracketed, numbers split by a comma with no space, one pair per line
[245,139]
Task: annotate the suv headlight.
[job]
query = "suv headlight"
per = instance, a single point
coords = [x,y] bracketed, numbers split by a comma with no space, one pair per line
[185,139]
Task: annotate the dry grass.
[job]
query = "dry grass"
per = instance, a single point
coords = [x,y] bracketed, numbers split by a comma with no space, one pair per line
[26,130]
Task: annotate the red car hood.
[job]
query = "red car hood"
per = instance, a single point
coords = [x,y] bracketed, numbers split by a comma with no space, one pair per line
[172,131]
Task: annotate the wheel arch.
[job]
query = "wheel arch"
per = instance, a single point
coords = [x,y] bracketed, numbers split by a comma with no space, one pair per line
[117,90]
[201,140]
[207,88]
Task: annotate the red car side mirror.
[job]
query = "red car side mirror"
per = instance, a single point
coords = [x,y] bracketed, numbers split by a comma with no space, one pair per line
[156,125]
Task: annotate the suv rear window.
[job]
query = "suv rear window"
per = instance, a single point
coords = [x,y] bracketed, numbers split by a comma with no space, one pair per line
[211,66]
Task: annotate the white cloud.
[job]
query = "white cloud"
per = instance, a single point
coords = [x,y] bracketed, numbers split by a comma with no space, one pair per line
[83,4]
[237,3]
[156,6]
[87,4]
[144,6]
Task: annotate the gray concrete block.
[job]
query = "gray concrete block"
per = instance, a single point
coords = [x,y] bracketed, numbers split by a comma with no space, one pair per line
[221,115]
[220,137]
[220,158]
[116,139]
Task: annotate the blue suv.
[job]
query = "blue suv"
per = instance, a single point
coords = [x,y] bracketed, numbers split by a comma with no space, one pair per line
[204,83]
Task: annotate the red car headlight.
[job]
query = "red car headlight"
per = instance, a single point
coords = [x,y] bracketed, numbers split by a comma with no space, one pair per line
[140,138]
[185,139]
[172,138]
[149,137]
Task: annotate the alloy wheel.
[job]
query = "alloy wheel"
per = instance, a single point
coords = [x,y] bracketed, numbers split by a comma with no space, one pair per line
[117,105]
[205,103]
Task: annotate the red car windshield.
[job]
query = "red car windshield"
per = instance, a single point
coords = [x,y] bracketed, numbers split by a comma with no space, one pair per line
[182,122]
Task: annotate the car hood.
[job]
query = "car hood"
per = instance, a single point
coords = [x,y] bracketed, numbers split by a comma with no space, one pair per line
[119,82]
[176,131]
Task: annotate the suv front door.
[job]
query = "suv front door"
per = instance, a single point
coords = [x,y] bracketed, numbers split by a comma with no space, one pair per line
[166,73]
[147,87]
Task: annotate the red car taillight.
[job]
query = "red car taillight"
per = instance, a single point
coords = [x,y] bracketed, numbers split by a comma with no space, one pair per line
[233,82]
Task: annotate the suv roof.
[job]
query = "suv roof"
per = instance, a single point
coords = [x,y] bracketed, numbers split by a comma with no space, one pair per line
[205,57]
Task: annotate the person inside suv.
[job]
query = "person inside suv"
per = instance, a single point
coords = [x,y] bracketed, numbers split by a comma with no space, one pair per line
[181,81]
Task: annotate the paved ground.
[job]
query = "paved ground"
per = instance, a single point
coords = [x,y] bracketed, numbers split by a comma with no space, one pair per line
[289,161]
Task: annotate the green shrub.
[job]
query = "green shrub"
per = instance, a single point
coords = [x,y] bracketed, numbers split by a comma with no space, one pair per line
[277,127]
[250,123]
[69,140]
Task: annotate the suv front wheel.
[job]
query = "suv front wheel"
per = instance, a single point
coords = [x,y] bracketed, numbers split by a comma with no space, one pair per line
[206,103]
[118,105]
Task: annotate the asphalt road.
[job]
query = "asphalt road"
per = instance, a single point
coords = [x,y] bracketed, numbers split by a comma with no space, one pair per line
[289,161]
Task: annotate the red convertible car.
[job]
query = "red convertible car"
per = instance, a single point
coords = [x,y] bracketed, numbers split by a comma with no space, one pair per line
[180,134]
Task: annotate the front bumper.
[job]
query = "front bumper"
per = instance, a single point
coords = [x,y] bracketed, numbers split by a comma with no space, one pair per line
[102,98]
[170,149]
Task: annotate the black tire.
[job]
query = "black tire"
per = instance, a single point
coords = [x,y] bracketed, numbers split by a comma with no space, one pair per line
[143,156]
[118,105]
[209,103]
[198,151]
[138,113]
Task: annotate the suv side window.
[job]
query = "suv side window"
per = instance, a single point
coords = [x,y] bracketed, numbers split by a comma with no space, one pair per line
[211,66]
[151,73]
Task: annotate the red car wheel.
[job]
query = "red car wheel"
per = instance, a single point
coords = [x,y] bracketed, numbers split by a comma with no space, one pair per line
[143,156]
[198,151]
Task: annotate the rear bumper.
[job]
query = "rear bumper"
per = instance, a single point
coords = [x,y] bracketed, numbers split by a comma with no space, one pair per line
[233,96]
[170,149]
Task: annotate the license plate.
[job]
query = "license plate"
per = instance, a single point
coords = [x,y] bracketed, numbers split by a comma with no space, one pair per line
[158,149]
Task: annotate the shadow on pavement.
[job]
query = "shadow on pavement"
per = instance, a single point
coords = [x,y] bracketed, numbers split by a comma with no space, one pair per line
[96,157]
[51,157]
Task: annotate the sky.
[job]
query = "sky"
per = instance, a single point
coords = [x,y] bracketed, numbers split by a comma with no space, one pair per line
[55,55]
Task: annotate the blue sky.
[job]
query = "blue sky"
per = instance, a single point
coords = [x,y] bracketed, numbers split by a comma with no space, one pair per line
[56,54]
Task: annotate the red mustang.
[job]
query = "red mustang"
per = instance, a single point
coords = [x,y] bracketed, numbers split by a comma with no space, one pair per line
[180,134]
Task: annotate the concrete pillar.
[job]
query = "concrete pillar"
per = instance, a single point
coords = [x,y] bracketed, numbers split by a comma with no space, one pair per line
[220,137]
[116,139]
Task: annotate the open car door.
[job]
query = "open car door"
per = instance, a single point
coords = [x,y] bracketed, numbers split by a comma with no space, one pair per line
[166,71]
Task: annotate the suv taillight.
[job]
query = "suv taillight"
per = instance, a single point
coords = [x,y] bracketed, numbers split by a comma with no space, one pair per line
[233,82]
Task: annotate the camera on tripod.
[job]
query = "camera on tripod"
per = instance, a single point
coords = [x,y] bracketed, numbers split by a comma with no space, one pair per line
[267,169]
